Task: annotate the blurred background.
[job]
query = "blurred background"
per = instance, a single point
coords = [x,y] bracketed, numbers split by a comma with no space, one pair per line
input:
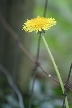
[47,93]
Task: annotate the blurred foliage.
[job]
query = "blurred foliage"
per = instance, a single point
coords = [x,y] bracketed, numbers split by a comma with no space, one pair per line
[59,39]
[47,94]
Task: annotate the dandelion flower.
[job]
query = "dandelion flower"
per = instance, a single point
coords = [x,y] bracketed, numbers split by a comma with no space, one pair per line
[38,24]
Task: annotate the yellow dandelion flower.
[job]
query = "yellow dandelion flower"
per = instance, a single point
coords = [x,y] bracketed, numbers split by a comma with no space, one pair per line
[38,24]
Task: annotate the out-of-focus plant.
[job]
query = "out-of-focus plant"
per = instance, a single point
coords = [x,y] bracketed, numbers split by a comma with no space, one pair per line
[40,24]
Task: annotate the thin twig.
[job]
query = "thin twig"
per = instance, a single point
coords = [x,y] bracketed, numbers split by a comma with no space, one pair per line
[46,3]
[14,34]
[13,85]
[66,86]
[35,70]
[38,49]
[21,46]
[69,74]
[36,64]
[50,76]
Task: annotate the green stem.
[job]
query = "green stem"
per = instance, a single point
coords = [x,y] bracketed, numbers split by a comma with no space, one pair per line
[56,69]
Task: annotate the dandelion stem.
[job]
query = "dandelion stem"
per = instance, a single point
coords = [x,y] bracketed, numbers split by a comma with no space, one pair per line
[56,69]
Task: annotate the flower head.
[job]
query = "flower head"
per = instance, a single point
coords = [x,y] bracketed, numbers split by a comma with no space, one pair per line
[38,24]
